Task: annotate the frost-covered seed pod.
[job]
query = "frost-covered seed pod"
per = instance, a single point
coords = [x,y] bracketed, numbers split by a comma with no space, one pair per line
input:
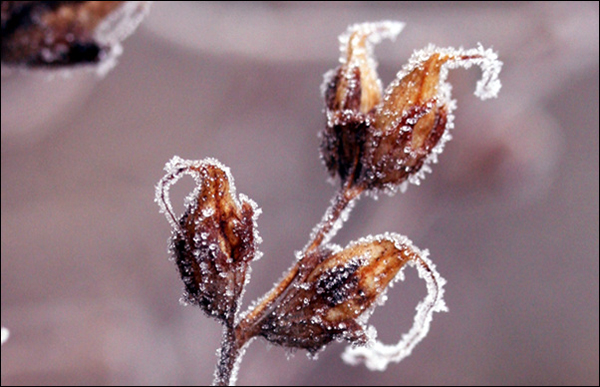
[334,298]
[215,239]
[380,142]
[66,33]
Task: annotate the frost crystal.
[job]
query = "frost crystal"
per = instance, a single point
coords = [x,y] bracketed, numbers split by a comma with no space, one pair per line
[366,35]
[380,141]
[374,33]
[176,168]
[332,222]
[377,355]
[215,239]
[374,141]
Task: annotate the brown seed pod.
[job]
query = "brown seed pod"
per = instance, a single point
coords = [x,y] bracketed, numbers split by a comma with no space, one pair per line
[351,93]
[215,239]
[334,297]
[64,33]
[380,142]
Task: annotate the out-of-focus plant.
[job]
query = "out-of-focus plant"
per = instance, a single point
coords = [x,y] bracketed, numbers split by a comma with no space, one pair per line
[375,141]
[64,34]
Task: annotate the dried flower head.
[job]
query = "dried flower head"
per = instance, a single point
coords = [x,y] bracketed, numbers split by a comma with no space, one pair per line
[380,141]
[60,33]
[374,141]
[351,93]
[335,292]
[215,239]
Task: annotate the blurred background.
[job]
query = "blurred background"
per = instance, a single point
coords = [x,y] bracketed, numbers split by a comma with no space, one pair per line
[509,215]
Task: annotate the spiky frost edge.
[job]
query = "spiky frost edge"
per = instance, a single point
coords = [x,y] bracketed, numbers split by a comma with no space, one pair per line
[433,302]
[375,33]
[336,226]
[377,355]
[487,87]
[236,366]
[176,168]
[5,334]
[402,243]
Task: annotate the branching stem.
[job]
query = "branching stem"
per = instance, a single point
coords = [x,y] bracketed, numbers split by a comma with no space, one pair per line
[234,338]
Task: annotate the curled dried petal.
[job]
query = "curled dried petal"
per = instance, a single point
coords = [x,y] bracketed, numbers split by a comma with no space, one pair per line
[412,123]
[216,237]
[377,355]
[336,294]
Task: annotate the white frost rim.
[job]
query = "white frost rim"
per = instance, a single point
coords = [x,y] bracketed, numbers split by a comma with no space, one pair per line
[377,355]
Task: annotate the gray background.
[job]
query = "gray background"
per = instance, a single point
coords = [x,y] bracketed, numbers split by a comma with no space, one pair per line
[510,214]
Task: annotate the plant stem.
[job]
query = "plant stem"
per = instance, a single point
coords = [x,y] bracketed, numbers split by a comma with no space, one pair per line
[229,354]
[344,198]
[236,337]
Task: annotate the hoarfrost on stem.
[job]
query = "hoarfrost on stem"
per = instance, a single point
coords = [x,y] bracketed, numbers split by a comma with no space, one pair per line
[374,141]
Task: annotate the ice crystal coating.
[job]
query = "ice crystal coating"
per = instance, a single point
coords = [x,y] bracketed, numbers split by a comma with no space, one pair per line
[375,142]
[215,239]
[377,355]
[381,141]
[333,220]
[335,292]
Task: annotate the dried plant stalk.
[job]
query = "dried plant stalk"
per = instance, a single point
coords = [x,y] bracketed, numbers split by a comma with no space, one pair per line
[374,141]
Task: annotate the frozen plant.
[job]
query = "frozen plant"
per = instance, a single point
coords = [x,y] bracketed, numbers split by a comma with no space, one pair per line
[374,141]
[66,34]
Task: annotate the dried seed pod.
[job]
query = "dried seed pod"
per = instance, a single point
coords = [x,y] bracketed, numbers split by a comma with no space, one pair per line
[355,85]
[335,292]
[412,123]
[60,33]
[377,355]
[215,239]
[383,142]
[351,92]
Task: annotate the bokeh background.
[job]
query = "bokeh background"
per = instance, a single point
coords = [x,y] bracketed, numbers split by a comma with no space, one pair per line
[510,214]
